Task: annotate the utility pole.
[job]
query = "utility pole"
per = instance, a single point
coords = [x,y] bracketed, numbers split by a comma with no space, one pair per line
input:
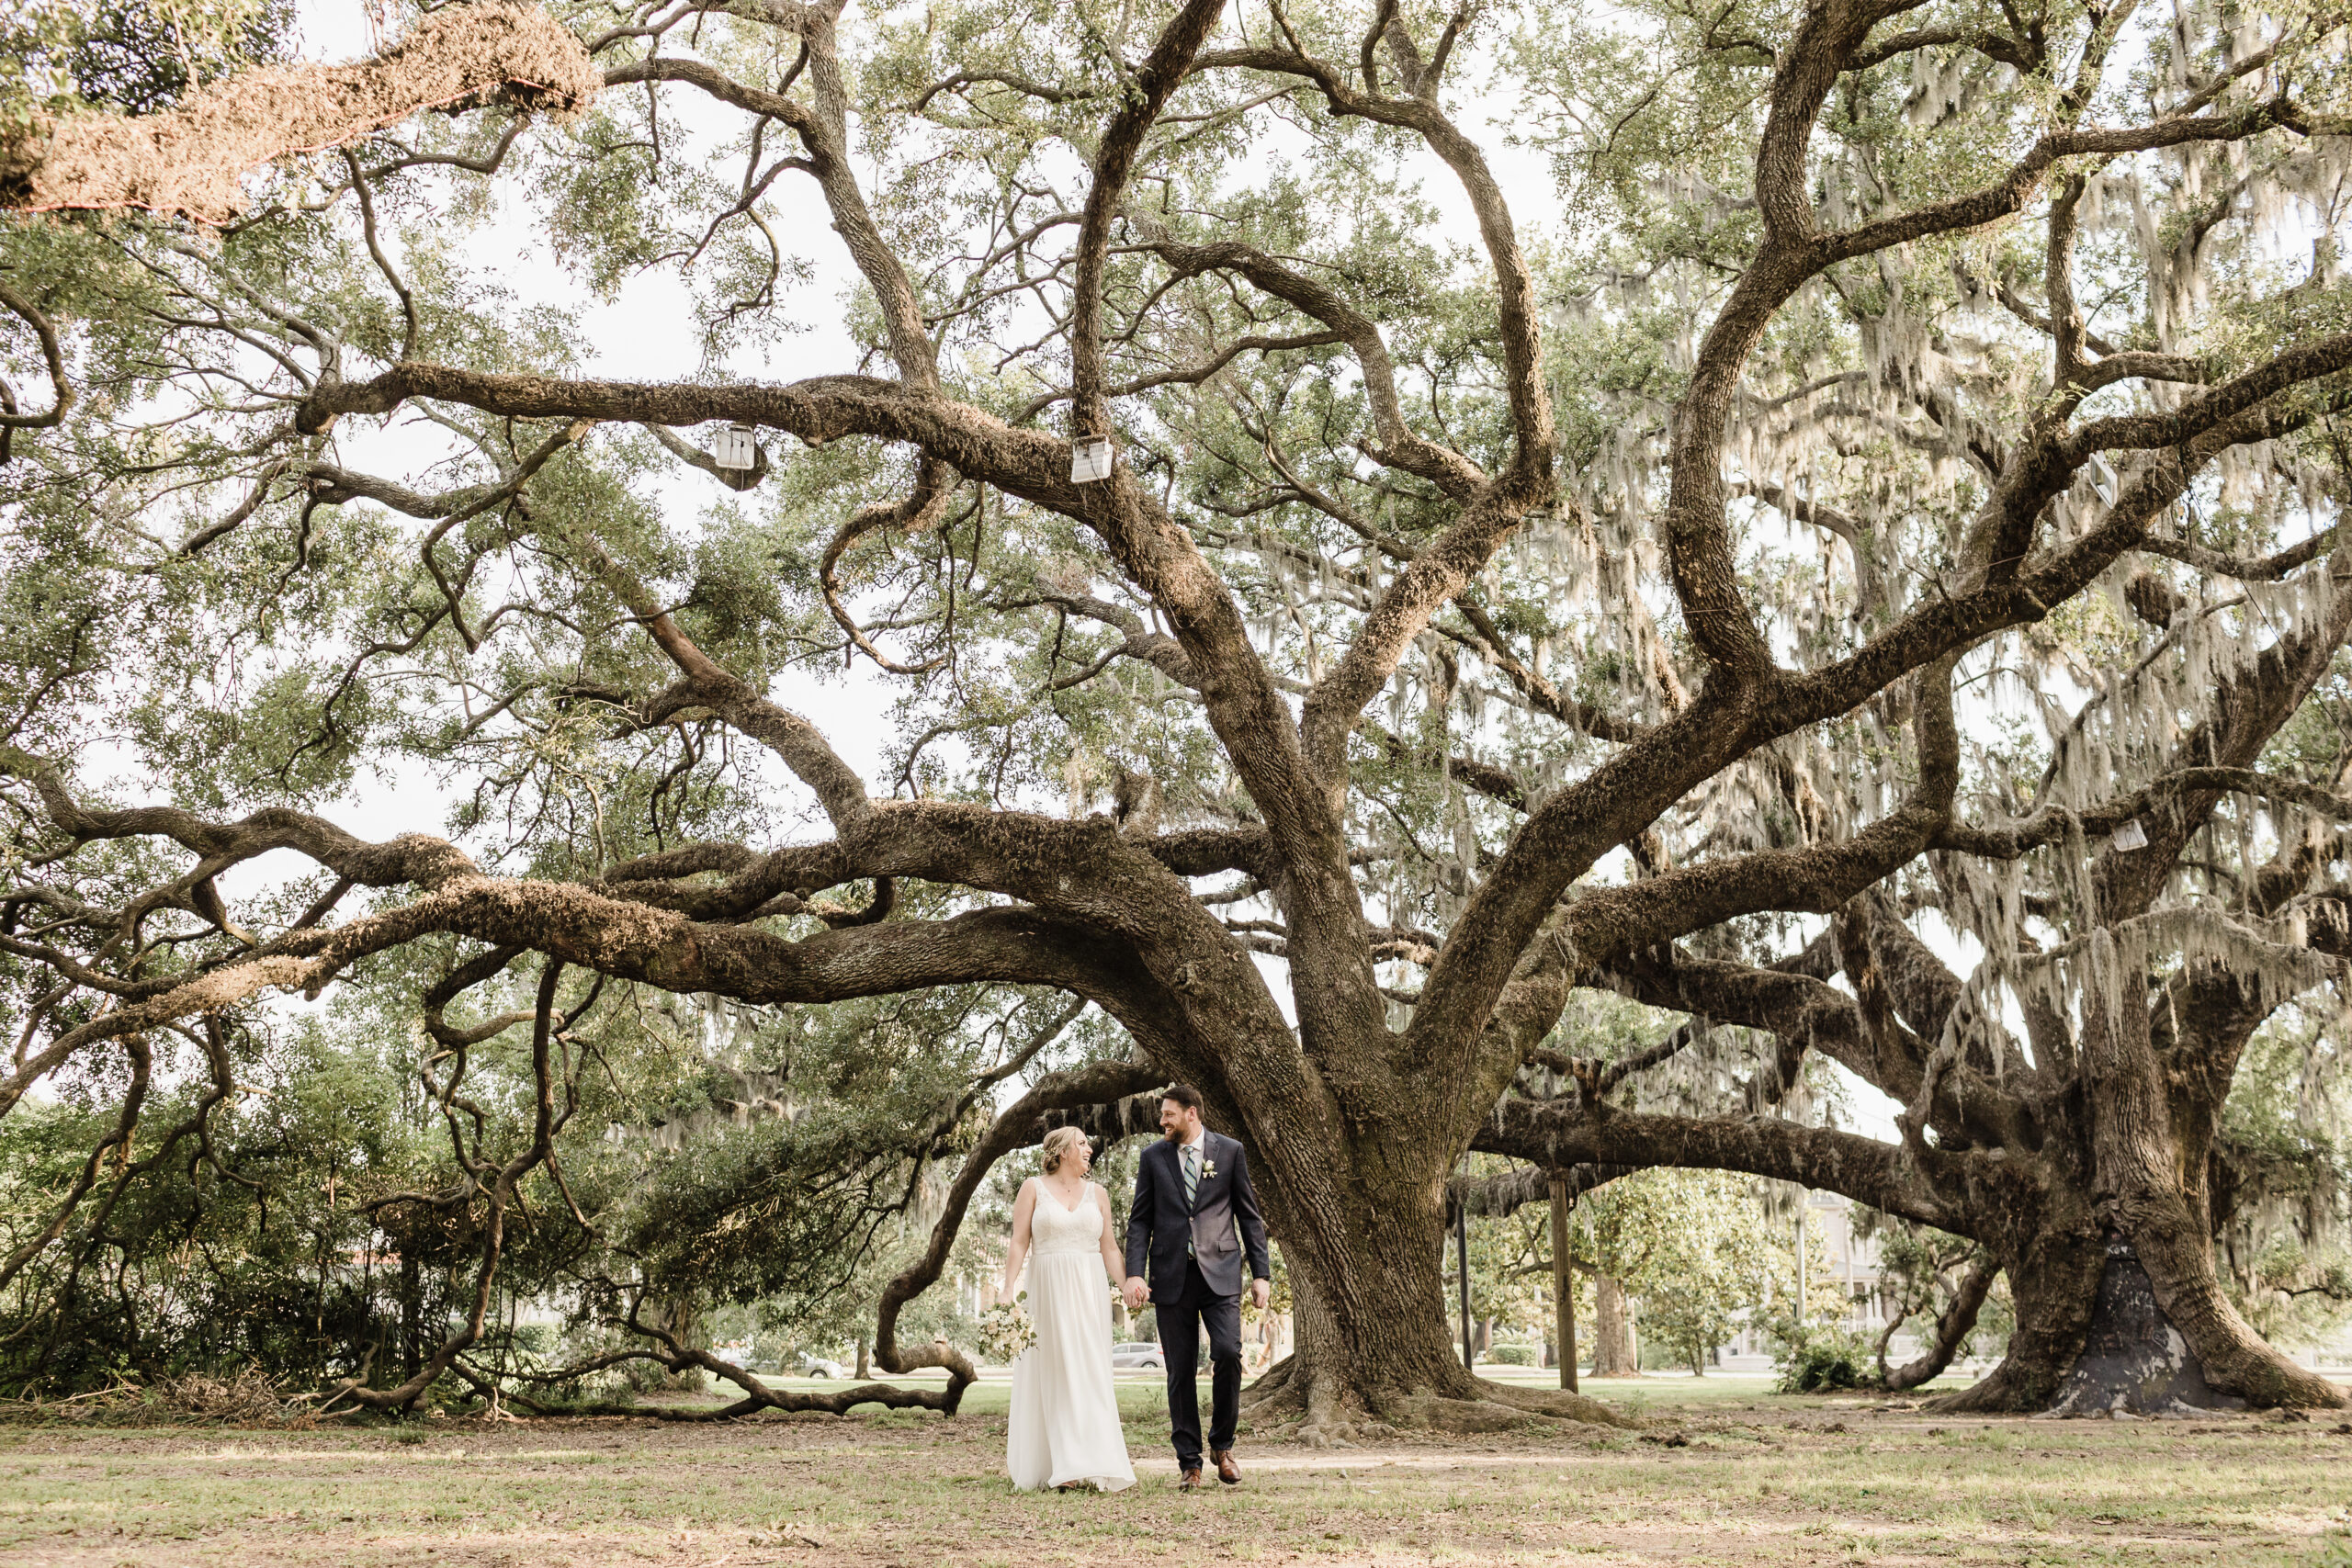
[1564,1286]
[1461,1264]
[1801,1197]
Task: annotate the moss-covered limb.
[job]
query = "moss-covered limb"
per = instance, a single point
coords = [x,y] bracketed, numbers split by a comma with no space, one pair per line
[757,1395]
[188,162]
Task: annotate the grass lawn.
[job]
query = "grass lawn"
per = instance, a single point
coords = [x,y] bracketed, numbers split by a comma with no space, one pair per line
[1762,1479]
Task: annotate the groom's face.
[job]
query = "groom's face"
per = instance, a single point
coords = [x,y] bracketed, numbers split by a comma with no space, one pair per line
[1178,1121]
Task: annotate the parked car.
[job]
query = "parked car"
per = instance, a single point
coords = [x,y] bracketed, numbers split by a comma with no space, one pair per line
[818,1367]
[1137,1355]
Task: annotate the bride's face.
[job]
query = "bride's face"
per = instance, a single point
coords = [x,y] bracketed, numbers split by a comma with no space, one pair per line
[1082,1156]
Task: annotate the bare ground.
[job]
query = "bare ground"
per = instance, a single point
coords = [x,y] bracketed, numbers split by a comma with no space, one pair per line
[1755,1480]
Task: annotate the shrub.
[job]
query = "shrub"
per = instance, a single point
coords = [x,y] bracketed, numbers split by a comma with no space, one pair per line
[1821,1360]
[1513,1355]
[243,1398]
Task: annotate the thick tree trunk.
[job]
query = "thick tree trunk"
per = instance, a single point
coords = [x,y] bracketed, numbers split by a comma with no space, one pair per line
[1372,1350]
[2176,1257]
[1612,1330]
[2163,1335]
[2096,1335]
[2134,1361]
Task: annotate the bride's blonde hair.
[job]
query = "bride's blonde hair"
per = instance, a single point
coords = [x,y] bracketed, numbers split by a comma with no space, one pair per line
[1058,1145]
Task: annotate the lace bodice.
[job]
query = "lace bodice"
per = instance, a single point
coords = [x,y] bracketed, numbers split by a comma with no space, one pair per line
[1053,1229]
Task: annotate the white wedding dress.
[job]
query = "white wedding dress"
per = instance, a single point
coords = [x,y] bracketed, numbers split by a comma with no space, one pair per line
[1065,1427]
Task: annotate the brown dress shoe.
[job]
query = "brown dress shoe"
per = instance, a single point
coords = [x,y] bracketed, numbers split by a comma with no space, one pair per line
[1226,1471]
[1192,1480]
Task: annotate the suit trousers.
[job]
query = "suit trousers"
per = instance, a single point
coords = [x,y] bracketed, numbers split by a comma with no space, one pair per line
[1181,1322]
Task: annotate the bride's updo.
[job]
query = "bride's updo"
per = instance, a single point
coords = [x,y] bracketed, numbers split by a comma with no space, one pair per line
[1058,1145]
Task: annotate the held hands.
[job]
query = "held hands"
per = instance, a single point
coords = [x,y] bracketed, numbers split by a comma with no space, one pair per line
[1136,1292]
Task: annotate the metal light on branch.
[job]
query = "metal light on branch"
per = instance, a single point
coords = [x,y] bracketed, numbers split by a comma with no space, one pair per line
[1090,460]
[2103,482]
[740,460]
[2131,835]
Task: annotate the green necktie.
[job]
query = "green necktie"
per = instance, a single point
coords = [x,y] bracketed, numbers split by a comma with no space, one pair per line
[1192,1188]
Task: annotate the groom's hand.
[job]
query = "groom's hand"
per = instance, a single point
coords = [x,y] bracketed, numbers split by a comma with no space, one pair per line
[1136,1292]
[1260,1292]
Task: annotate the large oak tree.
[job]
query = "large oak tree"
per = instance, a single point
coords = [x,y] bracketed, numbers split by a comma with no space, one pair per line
[1663,553]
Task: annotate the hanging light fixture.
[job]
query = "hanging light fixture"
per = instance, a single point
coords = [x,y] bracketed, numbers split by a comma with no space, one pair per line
[1090,460]
[740,461]
[735,449]
[2103,479]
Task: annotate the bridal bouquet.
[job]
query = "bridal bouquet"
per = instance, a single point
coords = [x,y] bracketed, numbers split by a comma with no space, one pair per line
[1006,1331]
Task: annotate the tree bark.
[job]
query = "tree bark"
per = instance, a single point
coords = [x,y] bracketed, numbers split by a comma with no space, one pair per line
[681,1319]
[2097,1333]
[1612,1330]
[188,162]
[1372,1349]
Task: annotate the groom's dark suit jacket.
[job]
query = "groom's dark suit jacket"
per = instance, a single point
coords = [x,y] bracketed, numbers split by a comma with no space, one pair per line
[1223,1223]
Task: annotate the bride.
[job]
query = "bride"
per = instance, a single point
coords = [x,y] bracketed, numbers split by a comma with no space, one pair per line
[1065,1430]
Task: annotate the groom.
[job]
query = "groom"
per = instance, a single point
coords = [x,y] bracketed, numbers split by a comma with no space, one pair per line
[1192,1196]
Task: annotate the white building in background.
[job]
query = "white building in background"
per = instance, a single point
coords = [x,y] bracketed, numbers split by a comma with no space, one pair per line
[1853,1263]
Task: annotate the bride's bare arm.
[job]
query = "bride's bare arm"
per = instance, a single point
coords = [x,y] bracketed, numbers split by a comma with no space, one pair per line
[1115,1261]
[1023,1207]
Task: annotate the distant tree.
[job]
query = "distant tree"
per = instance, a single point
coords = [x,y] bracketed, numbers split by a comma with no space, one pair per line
[1692,1254]
[2282,1181]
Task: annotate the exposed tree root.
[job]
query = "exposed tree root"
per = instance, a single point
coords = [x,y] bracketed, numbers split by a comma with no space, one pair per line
[1290,1402]
[1275,1379]
[1468,1416]
[187,161]
[1558,1403]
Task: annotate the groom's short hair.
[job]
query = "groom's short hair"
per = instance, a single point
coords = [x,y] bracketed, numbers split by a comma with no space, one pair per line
[1183,1094]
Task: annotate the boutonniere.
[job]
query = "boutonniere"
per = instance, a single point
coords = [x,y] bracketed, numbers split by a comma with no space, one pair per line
[1208,1169]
